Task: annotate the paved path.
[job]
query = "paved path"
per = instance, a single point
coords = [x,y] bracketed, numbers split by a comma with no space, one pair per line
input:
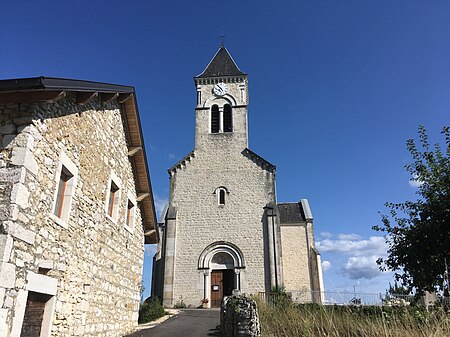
[188,323]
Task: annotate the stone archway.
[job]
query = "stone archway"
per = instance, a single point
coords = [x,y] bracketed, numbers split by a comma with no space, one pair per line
[221,263]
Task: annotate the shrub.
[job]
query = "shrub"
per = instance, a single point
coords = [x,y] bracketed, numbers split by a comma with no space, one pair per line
[150,310]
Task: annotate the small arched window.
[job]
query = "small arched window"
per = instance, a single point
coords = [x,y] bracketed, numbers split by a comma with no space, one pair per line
[221,193]
[215,119]
[227,119]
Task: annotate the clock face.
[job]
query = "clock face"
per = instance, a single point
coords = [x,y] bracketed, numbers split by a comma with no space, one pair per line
[220,89]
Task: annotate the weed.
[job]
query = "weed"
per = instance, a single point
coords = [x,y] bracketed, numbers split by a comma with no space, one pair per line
[314,320]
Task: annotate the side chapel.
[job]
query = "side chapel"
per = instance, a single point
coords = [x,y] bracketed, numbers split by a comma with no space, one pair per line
[223,228]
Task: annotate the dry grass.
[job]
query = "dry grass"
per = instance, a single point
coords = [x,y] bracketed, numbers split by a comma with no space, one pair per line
[288,320]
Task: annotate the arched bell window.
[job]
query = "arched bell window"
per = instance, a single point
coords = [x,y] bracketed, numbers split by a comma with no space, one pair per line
[227,118]
[221,119]
[215,119]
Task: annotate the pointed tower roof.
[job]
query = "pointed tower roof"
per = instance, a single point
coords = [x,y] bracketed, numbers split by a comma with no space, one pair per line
[222,64]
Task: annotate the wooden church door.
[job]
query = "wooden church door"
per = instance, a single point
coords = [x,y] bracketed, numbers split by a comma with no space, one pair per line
[222,284]
[216,288]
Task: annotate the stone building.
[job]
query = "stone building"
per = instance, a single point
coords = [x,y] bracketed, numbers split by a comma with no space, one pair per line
[76,208]
[223,228]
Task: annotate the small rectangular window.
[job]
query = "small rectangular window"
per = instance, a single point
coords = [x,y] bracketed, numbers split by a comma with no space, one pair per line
[129,216]
[63,195]
[65,185]
[113,191]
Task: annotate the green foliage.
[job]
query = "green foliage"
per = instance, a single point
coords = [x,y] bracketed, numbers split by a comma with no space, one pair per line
[279,298]
[418,231]
[150,310]
[397,289]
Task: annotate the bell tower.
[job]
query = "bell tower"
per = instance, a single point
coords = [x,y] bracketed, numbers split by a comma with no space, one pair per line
[222,98]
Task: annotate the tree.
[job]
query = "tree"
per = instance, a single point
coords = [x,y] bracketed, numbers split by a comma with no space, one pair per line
[418,232]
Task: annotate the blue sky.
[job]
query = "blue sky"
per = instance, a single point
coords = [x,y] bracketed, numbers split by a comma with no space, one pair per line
[336,88]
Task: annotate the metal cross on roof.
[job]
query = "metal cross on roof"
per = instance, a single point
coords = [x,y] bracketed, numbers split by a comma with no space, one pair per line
[222,36]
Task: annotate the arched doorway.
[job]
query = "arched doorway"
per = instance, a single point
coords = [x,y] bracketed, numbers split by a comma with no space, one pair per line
[223,279]
[221,263]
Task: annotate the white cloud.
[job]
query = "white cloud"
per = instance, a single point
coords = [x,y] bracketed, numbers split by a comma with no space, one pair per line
[355,256]
[351,236]
[414,182]
[374,246]
[160,203]
[326,235]
[326,265]
[361,267]
[172,156]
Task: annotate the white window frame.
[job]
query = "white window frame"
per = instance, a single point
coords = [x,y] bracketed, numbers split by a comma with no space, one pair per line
[64,161]
[39,284]
[217,192]
[221,121]
[113,179]
[132,220]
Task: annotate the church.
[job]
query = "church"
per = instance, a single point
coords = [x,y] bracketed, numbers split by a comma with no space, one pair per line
[223,228]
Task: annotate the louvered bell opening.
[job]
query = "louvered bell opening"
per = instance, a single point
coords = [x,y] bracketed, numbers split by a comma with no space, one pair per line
[227,119]
[215,119]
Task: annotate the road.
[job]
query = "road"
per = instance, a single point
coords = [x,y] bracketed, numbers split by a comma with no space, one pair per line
[188,323]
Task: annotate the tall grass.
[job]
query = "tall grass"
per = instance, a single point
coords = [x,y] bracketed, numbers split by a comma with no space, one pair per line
[310,320]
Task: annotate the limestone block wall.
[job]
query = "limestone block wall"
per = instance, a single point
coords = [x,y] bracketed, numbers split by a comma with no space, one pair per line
[200,221]
[94,263]
[295,257]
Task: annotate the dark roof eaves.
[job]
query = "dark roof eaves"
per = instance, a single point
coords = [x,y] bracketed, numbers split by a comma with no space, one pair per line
[53,83]
[220,76]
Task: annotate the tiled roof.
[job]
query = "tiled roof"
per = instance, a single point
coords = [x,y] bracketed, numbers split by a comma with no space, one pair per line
[222,64]
[291,212]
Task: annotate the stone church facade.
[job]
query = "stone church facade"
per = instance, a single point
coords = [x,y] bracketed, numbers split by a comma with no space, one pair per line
[76,208]
[223,228]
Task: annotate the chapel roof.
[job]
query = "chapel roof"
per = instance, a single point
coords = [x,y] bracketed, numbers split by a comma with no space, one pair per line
[222,64]
[294,212]
[49,90]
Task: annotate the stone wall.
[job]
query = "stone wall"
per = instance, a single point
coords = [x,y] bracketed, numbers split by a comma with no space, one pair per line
[295,257]
[239,317]
[94,262]
[200,221]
